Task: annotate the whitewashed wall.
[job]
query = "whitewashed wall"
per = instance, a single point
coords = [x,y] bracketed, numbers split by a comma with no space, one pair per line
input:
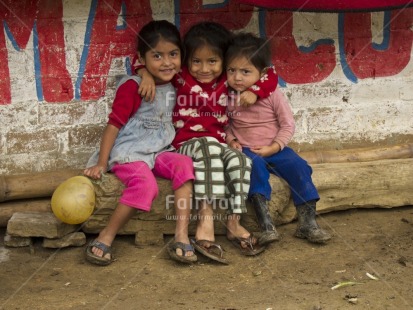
[37,134]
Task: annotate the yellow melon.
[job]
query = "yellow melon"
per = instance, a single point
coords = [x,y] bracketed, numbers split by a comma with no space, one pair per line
[73,201]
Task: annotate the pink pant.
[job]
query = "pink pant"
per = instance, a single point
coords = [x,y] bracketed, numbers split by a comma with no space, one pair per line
[140,181]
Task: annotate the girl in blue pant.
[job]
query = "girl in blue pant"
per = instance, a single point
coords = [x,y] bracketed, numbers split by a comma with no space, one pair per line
[262,131]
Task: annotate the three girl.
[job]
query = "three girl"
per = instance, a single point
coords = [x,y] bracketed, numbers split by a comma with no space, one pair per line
[136,145]
[200,118]
[262,131]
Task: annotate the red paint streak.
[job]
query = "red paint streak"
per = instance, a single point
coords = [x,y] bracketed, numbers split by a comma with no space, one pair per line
[328,5]
[107,43]
[5,91]
[56,81]
[366,62]
[19,17]
[292,65]
[234,16]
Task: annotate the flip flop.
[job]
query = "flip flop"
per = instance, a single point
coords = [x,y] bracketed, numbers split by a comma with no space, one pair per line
[185,248]
[251,249]
[213,251]
[99,260]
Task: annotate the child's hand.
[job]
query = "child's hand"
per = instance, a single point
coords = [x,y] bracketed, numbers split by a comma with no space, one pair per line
[234,144]
[267,150]
[247,98]
[95,172]
[147,85]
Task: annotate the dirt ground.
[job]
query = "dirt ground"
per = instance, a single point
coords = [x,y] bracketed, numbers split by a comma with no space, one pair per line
[291,274]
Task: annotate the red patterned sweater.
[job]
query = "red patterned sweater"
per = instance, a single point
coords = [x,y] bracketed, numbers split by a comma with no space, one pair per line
[201,108]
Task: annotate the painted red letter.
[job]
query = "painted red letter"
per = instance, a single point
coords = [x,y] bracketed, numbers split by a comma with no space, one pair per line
[232,15]
[293,65]
[106,42]
[389,58]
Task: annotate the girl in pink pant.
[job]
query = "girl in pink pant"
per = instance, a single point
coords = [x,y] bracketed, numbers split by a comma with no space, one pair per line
[136,146]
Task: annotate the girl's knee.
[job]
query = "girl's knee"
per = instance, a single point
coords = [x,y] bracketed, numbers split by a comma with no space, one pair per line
[182,172]
[145,185]
[140,193]
[186,164]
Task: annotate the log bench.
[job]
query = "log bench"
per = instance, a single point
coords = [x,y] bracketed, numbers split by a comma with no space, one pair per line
[360,178]
[384,184]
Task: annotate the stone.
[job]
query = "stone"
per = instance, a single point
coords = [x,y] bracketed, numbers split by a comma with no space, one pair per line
[38,224]
[72,239]
[17,242]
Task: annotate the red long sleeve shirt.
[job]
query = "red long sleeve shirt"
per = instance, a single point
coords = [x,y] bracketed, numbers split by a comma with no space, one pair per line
[124,105]
[201,108]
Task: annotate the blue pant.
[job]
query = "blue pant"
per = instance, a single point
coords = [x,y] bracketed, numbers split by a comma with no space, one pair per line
[287,165]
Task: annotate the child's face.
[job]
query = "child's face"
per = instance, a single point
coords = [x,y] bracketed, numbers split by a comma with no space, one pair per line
[163,61]
[205,65]
[242,74]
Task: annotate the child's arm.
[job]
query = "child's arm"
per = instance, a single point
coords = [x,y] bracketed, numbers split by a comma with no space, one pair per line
[262,89]
[108,139]
[285,118]
[147,85]
[267,150]
[124,106]
[230,138]
[234,144]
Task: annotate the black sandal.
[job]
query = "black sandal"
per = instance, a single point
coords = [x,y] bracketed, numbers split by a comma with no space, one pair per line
[213,251]
[251,249]
[99,260]
[185,248]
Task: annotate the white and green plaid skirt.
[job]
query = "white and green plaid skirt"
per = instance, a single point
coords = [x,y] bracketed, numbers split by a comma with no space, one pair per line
[221,173]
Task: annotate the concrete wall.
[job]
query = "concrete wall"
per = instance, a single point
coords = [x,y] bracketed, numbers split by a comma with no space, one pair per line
[348,75]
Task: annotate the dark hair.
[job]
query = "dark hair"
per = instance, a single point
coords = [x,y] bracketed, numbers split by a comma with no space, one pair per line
[248,45]
[154,31]
[210,34]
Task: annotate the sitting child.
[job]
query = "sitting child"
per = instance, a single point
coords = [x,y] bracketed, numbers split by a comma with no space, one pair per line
[262,131]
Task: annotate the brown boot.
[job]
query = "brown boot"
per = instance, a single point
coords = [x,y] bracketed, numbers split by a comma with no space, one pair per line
[307,227]
[269,233]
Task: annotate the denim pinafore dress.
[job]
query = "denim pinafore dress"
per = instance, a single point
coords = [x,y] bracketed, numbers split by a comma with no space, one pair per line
[147,133]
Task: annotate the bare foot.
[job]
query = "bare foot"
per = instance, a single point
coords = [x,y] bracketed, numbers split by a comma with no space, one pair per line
[205,226]
[106,240]
[184,239]
[236,231]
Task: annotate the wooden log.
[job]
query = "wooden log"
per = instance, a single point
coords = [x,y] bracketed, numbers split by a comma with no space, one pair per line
[343,186]
[33,185]
[359,154]
[7,209]
[43,184]
[382,184]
